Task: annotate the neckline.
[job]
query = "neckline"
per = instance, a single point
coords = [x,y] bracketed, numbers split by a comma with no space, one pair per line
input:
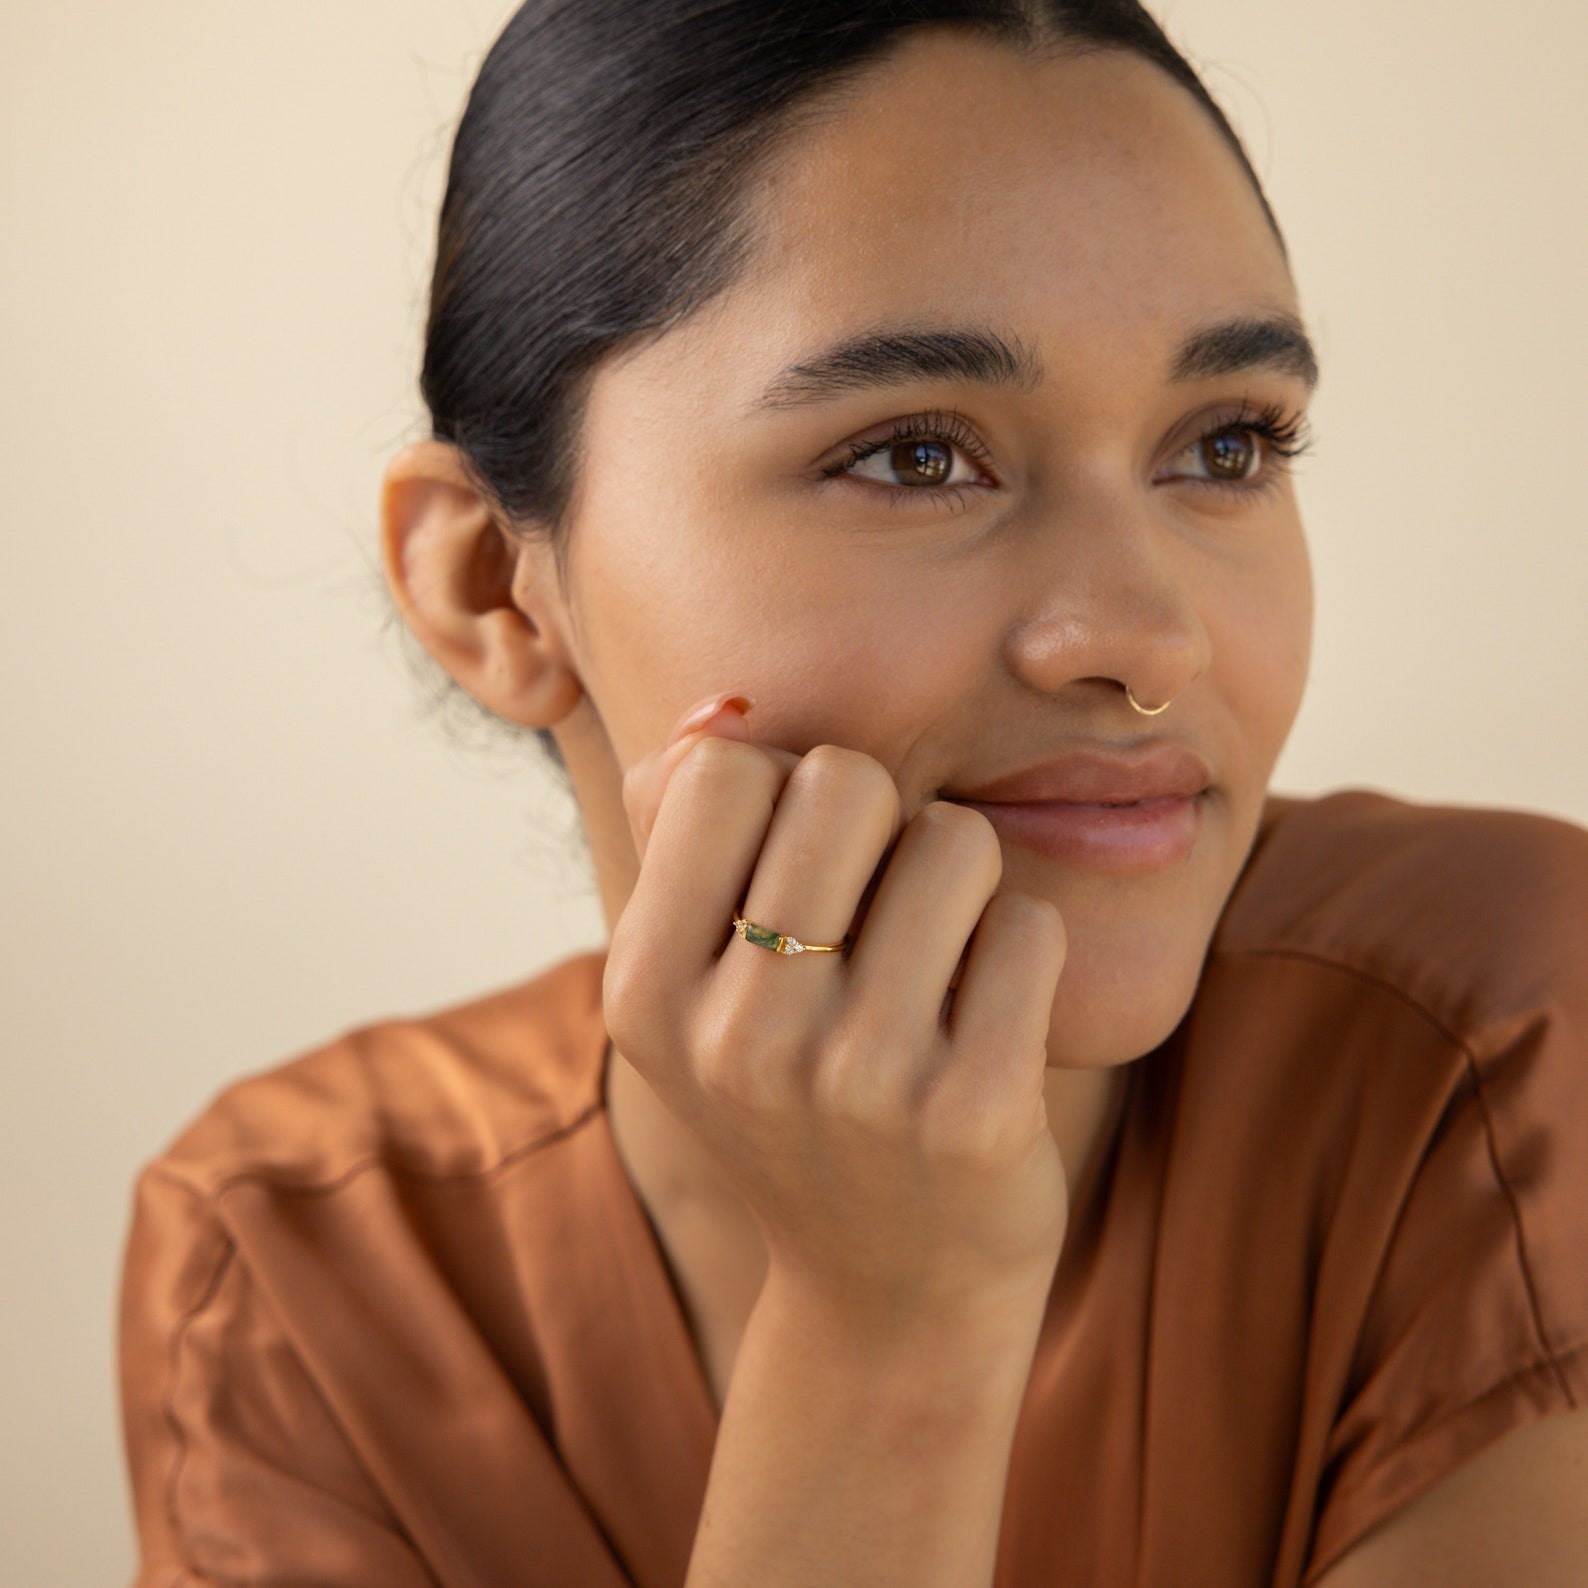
[644,1239]
[647,1254]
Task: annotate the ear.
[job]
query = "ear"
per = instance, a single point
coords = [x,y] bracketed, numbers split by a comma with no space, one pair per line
[453,570]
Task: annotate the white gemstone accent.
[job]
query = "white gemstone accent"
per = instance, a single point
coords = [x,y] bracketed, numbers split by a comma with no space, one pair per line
[793,945]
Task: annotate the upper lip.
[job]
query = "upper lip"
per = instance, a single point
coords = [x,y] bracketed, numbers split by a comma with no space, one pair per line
[1100,777]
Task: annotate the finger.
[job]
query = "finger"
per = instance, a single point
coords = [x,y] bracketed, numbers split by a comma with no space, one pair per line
[698,861]
[946,867]
[838,815]
[645,781]
[1004,1005]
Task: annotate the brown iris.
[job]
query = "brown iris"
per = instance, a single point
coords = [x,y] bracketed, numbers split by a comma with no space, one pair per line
[922,462]
[1229,453]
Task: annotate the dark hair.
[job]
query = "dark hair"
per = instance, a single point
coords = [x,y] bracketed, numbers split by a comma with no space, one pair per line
[595,184]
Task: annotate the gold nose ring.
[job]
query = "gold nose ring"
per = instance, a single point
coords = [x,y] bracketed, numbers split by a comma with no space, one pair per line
[1142,709]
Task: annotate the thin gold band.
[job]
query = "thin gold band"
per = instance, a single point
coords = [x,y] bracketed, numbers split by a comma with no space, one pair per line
[779,942]
[1142,709]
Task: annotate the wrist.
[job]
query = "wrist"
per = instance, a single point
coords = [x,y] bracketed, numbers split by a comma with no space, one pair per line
[958,1354]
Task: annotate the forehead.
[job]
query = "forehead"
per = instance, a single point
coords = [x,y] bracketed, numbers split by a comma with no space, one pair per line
[1088,203]
[959,176]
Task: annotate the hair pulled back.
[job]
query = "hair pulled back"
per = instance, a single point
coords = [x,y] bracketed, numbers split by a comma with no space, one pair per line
[594,188]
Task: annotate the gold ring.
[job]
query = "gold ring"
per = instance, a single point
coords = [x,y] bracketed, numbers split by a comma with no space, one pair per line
[1142,709]
[780,942]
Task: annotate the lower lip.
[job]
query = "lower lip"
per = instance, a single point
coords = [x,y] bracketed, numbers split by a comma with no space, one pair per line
[1123,839]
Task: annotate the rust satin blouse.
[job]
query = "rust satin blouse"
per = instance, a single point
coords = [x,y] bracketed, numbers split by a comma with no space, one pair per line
[392,1314]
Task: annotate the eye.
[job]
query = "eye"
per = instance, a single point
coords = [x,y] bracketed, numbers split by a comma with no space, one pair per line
[1247,453]
[1230,455]
[933,455]
[923,461]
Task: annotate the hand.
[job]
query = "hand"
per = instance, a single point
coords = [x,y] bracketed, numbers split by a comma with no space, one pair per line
[889,1136]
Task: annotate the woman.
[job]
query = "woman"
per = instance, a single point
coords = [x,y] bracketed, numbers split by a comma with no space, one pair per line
[1001,1142]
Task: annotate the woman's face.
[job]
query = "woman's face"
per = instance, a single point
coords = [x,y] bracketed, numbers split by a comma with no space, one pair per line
[963,610]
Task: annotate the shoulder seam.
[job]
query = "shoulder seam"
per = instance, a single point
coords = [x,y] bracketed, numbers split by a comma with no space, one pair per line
[1464,1047]
[230,1261]
[405,1171]
[1523,1263]
[168,1400]
[1312,957]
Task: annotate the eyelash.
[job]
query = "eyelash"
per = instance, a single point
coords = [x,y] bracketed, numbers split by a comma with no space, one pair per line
[1286,436]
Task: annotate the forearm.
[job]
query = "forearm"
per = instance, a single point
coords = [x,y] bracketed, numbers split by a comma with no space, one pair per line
[872,1459]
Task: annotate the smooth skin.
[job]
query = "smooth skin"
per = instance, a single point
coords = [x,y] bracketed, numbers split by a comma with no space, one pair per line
[1088,206]
[900,644]
[897,1161]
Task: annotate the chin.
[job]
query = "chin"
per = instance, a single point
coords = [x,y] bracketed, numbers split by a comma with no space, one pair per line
[1108,1015]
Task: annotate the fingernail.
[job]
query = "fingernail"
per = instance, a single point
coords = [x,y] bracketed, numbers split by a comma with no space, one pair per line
[701,716]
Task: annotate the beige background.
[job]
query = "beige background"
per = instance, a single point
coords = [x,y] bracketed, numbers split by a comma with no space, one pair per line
[228,833]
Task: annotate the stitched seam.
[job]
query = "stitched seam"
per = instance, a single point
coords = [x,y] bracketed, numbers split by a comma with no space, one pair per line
[1350,1495]
[1551,1362]
[1425,1431]
[1523,1262]
[168,1410]
[1551,1355]
[187,1573]
[407,1171]
[1311,957]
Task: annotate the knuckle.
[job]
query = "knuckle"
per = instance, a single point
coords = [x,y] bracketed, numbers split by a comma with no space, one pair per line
[715,759]
[968,830]
[855,1083]
[629,783]
[719,1073]
[1031,915]
[837,773]
[966,1137]
[725,1034]
[633,999]
[736,1060]
[961,1125]
[717,771]
[850,1095]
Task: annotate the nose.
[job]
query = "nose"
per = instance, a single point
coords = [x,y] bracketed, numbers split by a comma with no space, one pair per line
[1107,598]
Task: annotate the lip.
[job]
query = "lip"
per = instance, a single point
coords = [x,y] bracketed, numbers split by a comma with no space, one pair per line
[1101,810]
[1090,776]
[1123,840]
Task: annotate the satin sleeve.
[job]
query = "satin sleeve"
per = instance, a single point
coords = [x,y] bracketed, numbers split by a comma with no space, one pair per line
[1477,1319]
[239,1472]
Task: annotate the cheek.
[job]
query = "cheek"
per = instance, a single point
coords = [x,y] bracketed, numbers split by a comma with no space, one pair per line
[703,574]
[831,640]
[1262,643]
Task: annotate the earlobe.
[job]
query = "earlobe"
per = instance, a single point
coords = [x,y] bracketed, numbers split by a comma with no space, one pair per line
[451,571]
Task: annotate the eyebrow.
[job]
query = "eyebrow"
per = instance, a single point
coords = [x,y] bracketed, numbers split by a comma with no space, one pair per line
[897,357]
